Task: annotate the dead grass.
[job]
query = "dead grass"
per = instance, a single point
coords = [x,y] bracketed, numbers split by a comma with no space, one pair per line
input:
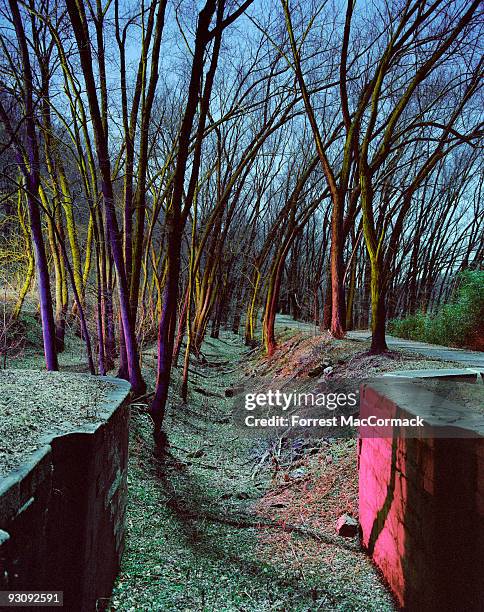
[298,356]
[315,491]
[207,529]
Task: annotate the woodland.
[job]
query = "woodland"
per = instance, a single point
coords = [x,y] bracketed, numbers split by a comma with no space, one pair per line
[205,196]
[171,169]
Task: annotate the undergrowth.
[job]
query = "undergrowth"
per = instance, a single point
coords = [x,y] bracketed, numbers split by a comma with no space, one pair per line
[458,323]
[197,539]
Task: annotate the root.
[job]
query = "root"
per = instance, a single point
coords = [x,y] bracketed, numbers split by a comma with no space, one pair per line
[286,527]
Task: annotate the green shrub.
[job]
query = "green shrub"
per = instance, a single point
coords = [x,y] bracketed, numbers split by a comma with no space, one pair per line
[412,327]
[459,322]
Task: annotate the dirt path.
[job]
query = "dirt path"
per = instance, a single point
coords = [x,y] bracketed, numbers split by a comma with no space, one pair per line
[193,540]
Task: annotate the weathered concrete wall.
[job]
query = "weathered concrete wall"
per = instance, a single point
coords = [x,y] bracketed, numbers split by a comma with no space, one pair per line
[422,508]
[62,513]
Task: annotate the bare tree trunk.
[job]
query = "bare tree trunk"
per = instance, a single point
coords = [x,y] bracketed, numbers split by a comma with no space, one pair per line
[28,161]
[79,24]
[378,308]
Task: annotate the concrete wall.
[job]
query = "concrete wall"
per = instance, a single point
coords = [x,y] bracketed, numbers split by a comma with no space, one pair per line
[62,513]
[422,508]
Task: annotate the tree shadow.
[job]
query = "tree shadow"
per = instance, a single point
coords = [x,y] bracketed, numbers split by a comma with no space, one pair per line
[189,513]
[427,535]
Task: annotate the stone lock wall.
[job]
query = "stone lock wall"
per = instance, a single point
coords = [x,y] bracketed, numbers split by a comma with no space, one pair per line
[62,513]
[422,509]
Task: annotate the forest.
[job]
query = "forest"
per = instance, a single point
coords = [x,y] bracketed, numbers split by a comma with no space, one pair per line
[177,172]
[167,171]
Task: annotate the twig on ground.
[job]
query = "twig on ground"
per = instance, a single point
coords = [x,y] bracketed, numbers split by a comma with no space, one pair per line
[286,527]
[260,464]
[139,399]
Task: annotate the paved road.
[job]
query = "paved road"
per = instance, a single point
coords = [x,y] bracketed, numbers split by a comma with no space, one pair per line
[470,359]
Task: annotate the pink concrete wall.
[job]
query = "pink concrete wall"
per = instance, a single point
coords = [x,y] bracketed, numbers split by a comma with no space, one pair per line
[422,514]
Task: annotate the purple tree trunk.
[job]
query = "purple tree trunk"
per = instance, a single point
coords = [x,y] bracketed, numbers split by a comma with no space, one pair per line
[80,27]
[28,160]
[175,222]
[166,332]
[45,298]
